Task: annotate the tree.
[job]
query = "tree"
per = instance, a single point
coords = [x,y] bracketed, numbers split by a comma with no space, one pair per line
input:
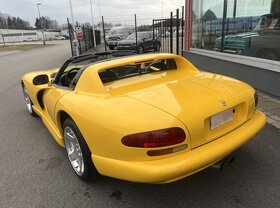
[46,23]
[7,21]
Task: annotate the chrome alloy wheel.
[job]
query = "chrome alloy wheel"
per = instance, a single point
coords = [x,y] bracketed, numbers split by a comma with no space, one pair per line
[74,151]
[27,100]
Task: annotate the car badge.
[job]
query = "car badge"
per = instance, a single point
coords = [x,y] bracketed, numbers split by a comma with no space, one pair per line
[223,103]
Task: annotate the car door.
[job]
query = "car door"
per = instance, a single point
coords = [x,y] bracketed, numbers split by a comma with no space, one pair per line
[50,98]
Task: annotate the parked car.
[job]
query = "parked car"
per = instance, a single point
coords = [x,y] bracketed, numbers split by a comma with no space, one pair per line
[145,42]
[30,39]
[262,42]
[118,33]
[59,37]
[66,37]
[150,118]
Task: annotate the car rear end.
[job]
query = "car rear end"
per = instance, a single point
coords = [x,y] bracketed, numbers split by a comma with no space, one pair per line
[173,123]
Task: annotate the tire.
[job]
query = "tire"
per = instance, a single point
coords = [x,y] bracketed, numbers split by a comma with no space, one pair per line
[157,47]
[28,102]
[111,47]
[141,49]
[269,54]
[80,156]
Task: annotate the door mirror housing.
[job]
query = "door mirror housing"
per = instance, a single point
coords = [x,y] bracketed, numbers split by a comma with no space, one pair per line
[41,79]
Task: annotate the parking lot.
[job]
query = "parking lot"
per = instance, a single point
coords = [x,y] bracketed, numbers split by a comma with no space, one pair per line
[35,171]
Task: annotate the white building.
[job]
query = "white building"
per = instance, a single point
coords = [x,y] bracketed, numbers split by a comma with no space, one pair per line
[11,35]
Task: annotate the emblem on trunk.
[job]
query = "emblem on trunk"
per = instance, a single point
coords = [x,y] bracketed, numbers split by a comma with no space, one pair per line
[223,103]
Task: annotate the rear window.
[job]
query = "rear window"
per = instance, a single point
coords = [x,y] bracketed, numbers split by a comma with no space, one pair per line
[136,69]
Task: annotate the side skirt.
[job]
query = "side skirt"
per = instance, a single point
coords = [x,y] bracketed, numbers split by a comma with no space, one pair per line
[50,126]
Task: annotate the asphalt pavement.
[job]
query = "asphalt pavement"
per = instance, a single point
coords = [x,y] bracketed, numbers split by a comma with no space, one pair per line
[35,171]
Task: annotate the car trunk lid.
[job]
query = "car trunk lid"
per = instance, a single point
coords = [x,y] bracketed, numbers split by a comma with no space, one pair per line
[196,99]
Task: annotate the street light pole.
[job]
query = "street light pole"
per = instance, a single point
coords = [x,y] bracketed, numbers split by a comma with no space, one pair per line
[73,25]
[38,4]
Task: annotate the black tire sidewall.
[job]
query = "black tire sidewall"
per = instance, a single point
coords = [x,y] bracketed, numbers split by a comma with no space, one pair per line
[157,47]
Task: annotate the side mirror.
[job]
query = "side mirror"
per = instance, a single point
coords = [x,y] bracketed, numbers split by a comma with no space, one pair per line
[41,79]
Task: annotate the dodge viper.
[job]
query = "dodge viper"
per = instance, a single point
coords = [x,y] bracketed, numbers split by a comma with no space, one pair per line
[151,118]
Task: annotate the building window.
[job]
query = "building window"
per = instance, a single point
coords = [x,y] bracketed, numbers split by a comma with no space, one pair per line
[242,27]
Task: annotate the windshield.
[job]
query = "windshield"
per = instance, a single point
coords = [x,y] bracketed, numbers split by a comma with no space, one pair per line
[133,36]
[83,61]
[66,75]
[136,69]
[116,31]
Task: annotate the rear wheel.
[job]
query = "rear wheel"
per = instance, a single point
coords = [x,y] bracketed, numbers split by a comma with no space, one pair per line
[140,49]
[28,102]
[78,152]
[157,47]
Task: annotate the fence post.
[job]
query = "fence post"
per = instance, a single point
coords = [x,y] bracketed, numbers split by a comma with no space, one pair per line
[223,26]
[70,36]
[171,32]
[103,27]
[136,33]
[182,28]
[80,47]
[85,37]
[177,33]
[153,29]
[89,37]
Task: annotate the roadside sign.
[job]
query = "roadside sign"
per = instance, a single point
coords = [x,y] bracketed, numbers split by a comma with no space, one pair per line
[79,35]
[78,30]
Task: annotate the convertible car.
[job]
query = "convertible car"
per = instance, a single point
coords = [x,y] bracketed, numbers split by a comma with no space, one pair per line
[151,118]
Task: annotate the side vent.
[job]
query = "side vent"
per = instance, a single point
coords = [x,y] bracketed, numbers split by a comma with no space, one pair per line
[40,98]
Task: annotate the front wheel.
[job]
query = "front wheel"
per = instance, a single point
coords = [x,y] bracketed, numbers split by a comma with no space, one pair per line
[28,102]
[78,152]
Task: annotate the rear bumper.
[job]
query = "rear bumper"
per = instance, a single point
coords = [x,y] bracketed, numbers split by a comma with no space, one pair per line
[182,165]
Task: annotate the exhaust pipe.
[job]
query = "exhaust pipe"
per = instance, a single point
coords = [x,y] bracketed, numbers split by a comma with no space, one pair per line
[220,164]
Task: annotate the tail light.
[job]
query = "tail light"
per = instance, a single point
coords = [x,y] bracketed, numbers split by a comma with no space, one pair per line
[157,138]
[256,99]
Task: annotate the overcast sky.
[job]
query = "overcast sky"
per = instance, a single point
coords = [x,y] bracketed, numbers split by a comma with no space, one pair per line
[115,11]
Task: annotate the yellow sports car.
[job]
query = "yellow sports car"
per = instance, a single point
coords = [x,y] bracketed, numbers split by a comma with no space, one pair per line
[151,118]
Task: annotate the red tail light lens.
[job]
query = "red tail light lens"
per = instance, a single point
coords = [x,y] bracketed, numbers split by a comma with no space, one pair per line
[158,138]
[256,98]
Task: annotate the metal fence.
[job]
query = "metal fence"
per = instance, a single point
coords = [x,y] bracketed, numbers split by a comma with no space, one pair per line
[170,32]
[87,42]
